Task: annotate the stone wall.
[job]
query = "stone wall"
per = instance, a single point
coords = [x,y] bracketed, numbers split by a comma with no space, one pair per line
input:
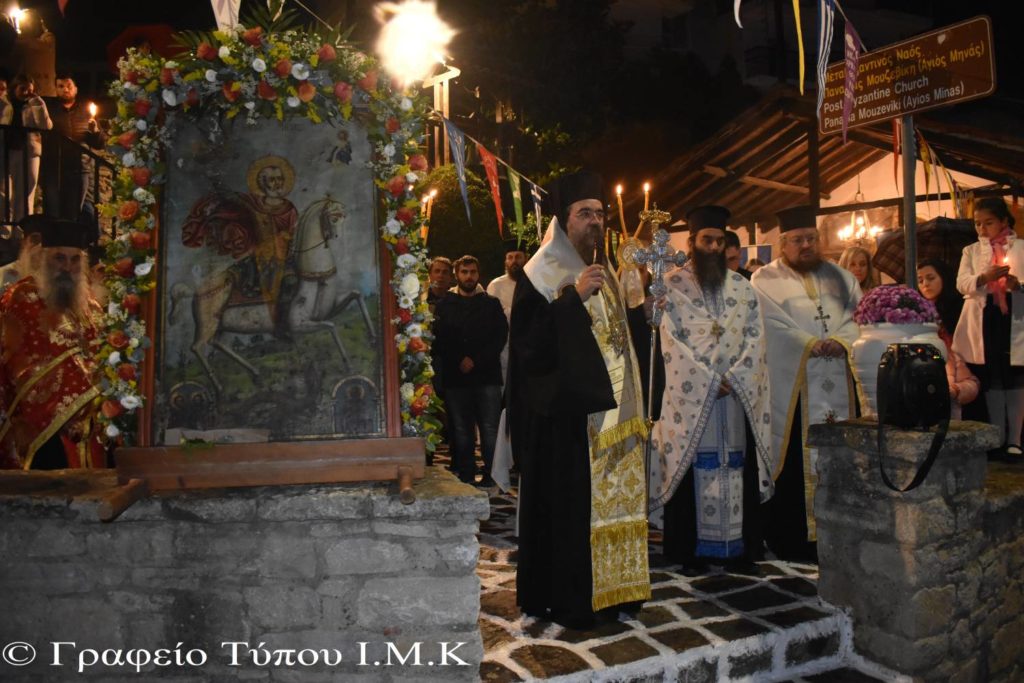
[933,578]
[316,569]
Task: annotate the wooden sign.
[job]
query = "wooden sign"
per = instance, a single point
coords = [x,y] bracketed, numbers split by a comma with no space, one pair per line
[950,65]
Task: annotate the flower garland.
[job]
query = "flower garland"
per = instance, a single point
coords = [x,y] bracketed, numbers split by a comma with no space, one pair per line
[255,74]
[894,304]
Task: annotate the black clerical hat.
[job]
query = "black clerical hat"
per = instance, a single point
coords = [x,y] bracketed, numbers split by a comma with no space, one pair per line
[710,216]
[57,232]
[796,218]
[564,191]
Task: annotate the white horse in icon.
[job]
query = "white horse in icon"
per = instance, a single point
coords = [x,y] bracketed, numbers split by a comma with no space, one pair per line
[322,293]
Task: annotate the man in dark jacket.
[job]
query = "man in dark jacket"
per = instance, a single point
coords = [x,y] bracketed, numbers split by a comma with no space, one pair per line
[470,331]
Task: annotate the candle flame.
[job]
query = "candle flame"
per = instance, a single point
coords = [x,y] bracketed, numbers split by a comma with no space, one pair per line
[618,189]
[92,109]
[647,187]
[433,192]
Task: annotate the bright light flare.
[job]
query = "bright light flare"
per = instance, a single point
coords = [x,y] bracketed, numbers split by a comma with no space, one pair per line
[17,16]
[411,39]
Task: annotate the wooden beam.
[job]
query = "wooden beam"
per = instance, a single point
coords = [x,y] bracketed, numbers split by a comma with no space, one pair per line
[760,182]
[895,201]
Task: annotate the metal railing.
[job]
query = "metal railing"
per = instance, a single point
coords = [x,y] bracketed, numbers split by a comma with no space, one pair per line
[66,180]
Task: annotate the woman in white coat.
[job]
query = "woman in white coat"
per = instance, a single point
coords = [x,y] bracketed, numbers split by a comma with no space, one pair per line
[987,336]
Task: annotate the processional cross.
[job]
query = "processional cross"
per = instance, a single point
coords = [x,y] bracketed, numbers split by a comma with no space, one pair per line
[657,257]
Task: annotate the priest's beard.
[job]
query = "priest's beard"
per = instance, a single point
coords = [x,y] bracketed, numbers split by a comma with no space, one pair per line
[514,271]
[588,243]
[64,292]
[807,261]
[709,267]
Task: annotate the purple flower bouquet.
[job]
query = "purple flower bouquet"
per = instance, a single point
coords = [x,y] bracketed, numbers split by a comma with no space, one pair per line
[897,304]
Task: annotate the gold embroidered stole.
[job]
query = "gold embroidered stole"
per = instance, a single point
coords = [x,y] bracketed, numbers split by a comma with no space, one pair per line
[618,519]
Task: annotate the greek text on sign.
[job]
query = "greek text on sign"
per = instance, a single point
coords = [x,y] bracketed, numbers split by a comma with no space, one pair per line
[935,69]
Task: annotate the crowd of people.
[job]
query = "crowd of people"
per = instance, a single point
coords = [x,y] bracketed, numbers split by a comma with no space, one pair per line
[66,172]
[748,359]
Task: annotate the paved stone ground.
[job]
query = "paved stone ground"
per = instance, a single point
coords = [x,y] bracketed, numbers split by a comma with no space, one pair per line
[716,627]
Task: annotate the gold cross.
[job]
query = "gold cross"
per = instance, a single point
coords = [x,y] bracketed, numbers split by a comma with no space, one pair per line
[717,330]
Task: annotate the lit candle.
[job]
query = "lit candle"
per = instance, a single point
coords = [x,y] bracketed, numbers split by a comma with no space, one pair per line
[647,195]
[92,110]
[622,215]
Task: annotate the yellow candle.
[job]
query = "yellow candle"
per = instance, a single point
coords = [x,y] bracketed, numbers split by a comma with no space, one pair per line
[647,196]
[622,215]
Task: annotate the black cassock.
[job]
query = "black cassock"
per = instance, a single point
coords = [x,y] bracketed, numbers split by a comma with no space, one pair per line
[556,377]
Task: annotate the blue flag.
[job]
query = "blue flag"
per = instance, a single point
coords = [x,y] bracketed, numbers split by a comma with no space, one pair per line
[457,142]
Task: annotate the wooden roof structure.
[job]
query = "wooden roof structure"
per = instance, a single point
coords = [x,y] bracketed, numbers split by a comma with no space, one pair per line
[771,157]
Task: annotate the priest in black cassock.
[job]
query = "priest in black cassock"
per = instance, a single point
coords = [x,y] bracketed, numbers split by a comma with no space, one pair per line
[576,424]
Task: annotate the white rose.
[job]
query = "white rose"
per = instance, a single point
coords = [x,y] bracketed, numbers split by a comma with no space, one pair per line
[142,196]
[389,151]
[406,261]
[393,226]
[171,65]
[414,330]
[258,65]
[133,343]
[250,105]
[406,104]
[143,269]
[300,71]
[141,124]
[411,178]
[131,402]
[293,101]
[128,159]
[170,99]
[224,52]
[113,431]
[211,75]
[410,285]
[408,391]
[114,359]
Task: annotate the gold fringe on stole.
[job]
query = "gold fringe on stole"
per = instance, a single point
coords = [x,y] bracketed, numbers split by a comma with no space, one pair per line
[619,433]
[620,576]
[618,521]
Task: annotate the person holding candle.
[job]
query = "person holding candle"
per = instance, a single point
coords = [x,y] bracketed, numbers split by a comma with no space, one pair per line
[990,334]
[24,144]
[67,173]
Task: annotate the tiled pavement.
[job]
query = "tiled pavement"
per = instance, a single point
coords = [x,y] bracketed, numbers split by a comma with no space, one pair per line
[716,627]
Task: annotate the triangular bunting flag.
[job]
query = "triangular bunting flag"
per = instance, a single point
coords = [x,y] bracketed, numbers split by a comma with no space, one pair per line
[535,194]
[457,143]
[517,194]
[852,48]
[826,15]
[491,167]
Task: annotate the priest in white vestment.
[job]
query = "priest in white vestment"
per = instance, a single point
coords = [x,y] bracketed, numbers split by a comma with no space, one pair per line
[808,305]
[712,461]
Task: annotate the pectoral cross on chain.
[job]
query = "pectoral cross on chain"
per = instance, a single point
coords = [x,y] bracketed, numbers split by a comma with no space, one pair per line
[822,318]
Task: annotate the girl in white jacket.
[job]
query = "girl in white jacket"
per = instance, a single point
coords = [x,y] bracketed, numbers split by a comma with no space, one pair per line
[990,334]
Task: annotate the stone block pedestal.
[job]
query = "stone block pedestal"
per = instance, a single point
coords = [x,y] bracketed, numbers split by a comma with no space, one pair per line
[918,570]
[308,583]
